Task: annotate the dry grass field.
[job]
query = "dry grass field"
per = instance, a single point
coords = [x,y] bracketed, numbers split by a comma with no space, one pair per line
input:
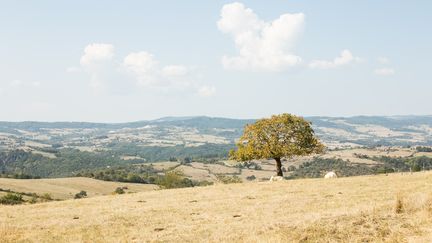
[66,188]
[393,208]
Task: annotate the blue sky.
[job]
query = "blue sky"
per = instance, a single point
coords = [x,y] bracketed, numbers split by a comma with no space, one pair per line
[113,61]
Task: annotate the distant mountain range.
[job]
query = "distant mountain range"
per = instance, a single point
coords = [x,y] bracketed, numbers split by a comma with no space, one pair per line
[201,130]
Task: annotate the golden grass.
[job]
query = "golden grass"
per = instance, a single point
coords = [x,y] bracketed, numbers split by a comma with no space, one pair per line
[66,188]
[356,209]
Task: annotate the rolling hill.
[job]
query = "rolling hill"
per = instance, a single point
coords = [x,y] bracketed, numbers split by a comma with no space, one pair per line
[393,208]
[66,188]
[199,131]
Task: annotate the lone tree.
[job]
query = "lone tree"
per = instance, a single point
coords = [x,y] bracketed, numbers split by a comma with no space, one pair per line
[281,136]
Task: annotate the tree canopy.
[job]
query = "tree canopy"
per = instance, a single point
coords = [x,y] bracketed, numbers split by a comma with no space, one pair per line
[281,136]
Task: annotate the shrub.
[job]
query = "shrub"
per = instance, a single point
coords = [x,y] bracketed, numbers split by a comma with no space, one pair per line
[46,197]
[291,168]
[174,179]
[80,194]
[205,183]
[119,190]
[228,179]
[33,200]
[251,178]
[11,199]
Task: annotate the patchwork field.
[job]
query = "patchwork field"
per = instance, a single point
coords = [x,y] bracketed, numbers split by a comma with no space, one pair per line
[66,188]
[393,208]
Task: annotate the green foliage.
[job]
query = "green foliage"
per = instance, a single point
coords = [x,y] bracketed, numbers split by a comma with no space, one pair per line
[203,183]
[19,176]
[67,162]
[131,173]
[11,199]
[46,197]
[174,179]
[119,190]
[225,179]
[318,166]
[81,194]
[201,153]
[248,165]
[280,136]
[423,149]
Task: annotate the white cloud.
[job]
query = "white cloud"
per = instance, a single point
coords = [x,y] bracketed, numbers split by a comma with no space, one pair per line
[140,69]
[97,61]
[143,66]
[206,91]
[383,60]
[346,57]
[384,71]
[97,52]
[262,45]
[148,72]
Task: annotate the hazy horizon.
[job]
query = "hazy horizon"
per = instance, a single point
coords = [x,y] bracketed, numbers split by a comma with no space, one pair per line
[197,116]
[131,61]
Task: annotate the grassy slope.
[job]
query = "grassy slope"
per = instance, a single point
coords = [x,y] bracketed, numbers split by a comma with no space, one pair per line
[344,209]
[66,188]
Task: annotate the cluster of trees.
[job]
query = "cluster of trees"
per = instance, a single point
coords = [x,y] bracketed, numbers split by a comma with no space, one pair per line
[12,197]
[66,163]
[69,161]
[132,173]
[392,164]
[18,176]
[318,166]
[248,165]
[143,174]
[179,153]
[423,149]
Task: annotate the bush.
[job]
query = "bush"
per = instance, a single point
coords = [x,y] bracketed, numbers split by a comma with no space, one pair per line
[119,190]
[291,168]
[46,197]
[11,199]
[423,149]
[251,178]
[80,194]
[174,179]
[205,183]
[228,179]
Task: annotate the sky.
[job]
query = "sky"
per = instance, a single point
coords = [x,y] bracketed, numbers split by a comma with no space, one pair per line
[118,61]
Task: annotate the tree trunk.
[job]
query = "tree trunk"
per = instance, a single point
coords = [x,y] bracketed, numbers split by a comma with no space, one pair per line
[279,167]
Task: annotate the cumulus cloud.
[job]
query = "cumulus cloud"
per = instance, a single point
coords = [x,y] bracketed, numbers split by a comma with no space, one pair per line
[143,66]
[97,52]
[346,57]
[97,61]
[206,91]
[384,71]
[148,72]
[137,69]
[262,45]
